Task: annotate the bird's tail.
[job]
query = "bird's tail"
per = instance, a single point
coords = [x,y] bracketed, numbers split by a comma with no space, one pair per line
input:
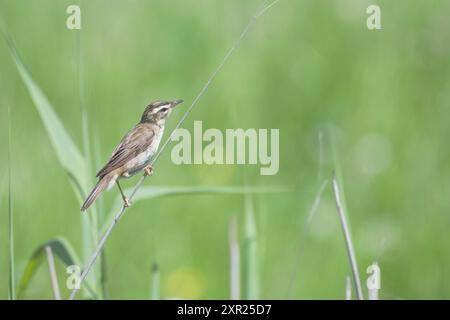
[101,185]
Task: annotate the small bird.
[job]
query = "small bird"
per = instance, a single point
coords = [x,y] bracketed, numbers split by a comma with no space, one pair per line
[134,151]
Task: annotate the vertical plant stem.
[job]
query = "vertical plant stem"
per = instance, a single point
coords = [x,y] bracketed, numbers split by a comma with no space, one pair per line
[301,248]
[53,275]
[251,263]
[97,151]
[90,224]
[105,237]
[12,276]
[348,240]
[235,264]
[155,285]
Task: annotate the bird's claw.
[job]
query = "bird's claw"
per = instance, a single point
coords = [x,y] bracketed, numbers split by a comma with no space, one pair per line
[148,170]
[126,202]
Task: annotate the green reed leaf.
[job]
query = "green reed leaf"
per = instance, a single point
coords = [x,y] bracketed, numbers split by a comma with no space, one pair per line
[69,156]
[250,256]
[151,192]
[61,249]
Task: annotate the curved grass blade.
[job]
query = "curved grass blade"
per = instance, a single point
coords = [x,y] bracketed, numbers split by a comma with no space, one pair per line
[61,249]
[52,272]
[69,156]
[151,192]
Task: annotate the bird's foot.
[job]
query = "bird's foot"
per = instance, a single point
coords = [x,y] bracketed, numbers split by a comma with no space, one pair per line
[126,202]
[148,170]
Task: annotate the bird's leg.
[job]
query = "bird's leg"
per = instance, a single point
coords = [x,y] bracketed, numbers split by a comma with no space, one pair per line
[148,170]
[126,201]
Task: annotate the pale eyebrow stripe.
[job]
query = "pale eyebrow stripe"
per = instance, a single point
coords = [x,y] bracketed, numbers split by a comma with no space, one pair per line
[157,109]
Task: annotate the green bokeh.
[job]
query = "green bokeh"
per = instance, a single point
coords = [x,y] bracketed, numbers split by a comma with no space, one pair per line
[305,67]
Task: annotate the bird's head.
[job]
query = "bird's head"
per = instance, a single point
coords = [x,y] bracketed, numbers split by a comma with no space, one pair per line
[158,111]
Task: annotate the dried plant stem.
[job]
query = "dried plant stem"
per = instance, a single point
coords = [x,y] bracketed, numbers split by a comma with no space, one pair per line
[235,264]
[373,294]
[348,240]
[141,180]
[52,270]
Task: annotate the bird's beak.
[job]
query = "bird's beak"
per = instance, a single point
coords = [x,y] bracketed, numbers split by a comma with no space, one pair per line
[175,103]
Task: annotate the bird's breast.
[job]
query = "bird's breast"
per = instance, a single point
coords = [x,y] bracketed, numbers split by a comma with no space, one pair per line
[141,160]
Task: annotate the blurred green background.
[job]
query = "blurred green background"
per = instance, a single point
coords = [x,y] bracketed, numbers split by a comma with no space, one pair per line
[305,67]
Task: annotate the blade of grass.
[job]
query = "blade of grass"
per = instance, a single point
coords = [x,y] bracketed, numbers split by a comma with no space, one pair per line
[52,271]
[216,71]
[100,203]
[69,156]
[348,240]
[251,263]
[67,153]
[63,251]
[12,276]
[341,205]
[235,264]
[155,284]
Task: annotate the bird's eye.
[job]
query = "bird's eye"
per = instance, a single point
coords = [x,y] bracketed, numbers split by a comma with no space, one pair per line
[164,109]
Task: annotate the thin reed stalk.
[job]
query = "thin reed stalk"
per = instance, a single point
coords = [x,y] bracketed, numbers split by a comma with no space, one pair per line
[52,271]
[348,240]
[117,217]
[309,217]
[235,263]
[155,292]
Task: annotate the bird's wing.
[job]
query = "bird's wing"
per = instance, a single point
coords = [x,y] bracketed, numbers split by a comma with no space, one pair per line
[136,141]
